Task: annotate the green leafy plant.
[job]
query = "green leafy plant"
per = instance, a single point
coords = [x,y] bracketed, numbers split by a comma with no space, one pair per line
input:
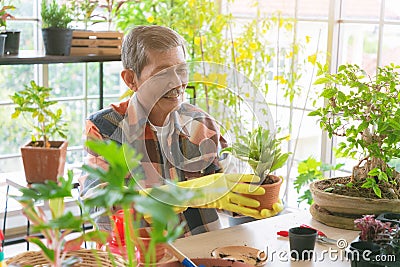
[34,100]
[111,10]
[82,10]
[55,15]
[121,192]
[310,170]
[4,15]
[366,112]
[262,150]
[56,227]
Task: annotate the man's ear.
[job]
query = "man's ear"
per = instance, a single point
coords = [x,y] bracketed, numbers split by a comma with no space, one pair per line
[130,79]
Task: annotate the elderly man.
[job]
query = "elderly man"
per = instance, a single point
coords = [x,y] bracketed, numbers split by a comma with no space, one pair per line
[178,141]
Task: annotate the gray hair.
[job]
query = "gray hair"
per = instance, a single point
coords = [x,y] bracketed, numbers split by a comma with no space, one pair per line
[141,39]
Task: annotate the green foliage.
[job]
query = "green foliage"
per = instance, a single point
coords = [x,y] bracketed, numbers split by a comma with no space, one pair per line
[55,15]
[60,224]
[261,149]
[82,10]
[112,9]
[366,111]
[217,37]
[123,161]
[34,100]
[310,170]
[4,15]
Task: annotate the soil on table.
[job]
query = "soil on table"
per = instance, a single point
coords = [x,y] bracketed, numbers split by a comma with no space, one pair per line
[338,186]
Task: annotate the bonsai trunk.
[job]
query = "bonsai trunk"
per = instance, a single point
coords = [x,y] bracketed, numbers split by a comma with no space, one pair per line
[370,163]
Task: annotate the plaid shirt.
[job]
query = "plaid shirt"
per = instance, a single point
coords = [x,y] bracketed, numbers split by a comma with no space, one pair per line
[192,127]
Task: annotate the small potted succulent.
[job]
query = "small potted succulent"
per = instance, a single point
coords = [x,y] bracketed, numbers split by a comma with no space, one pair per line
[261,149]
[43,159]
[57,36]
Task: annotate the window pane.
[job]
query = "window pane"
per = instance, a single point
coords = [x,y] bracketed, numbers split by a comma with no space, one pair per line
[66,79]
[24,8]
[113,83]
[73,113]
[390,45]
[361,9]
[392,8]
[285,7]
[13,78]
[313,39]
[360,45]
[249,8]
[93,78]
[312,8]
[15,132]
[10,165]
[28,36]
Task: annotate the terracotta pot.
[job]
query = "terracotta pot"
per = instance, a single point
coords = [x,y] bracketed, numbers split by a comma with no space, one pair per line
[142,246]
[271,195]
[341,211]
[41,164]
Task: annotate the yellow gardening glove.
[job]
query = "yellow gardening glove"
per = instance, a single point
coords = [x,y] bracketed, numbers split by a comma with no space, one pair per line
[223,191]
[276,208]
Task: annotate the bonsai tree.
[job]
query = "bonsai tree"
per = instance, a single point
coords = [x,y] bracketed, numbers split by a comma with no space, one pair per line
[54,15]
[366,112]
[4,15]
[34,100]
[262,151]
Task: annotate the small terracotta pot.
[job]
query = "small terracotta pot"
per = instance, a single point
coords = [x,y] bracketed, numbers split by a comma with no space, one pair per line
[271,195]
[144,241]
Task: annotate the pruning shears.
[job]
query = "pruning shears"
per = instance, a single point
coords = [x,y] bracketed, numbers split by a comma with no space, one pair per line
[321,236]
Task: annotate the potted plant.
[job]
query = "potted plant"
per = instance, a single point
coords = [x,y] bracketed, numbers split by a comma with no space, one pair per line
[366,112]
[376,244]
[11,41]
[86,42]
[261,149]
[57,36]
[118,191]
[43,158]
[59,248]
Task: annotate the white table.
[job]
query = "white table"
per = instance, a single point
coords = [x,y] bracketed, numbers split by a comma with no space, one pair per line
[262,235]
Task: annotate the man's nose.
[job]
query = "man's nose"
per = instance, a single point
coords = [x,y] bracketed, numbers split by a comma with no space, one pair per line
[176,80]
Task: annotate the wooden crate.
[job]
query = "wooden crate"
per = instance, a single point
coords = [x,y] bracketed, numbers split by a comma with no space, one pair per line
[96,43]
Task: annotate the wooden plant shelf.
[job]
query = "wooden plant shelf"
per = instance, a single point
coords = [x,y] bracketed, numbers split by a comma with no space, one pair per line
[96,43]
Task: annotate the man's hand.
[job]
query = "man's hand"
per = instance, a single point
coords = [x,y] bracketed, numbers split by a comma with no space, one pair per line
[276,208]
[223,191]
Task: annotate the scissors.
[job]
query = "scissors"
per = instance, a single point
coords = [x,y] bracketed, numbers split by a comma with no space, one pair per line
[321,236]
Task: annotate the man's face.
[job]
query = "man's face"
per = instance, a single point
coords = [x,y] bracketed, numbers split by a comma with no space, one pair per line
[163,81]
